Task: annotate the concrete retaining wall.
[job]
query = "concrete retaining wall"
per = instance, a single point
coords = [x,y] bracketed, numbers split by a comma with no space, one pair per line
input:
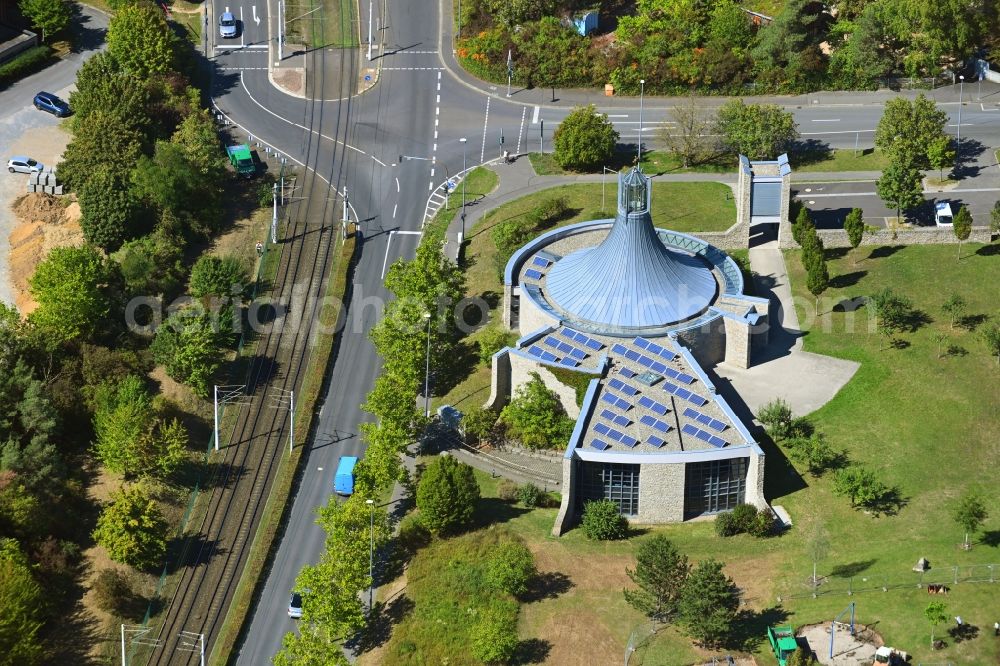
[911,236]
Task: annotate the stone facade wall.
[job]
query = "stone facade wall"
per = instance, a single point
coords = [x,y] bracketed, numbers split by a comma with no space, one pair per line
[508,306]
[500,381]
[565,517]
[785,223]
[661,493]
[755,481]
[531,317]
[734,238]
[737,343]
[707,343]
[911,236]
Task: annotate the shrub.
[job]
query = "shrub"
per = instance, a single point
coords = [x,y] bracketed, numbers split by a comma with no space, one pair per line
[494,637]
[551,211]
[218,276]
[603,521]
[510,567]
[413,535]
[446,495]
[111,588]
[508,491]
[744,516]
[763,524]
[584,140]
[726,525]
[530,495]
[25,63]
[491,341]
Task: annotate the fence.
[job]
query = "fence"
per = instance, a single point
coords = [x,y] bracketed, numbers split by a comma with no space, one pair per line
[637,641]
[938,576]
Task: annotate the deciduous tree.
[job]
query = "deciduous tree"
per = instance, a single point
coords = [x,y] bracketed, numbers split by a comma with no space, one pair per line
[584,140]
[936,613]
[940,154]
[860,485]
[188,345]
[107,209]
[708,603]
[962,226]
[510,567]
[891,311]
[447,495]
[218,276]
[954,307]
[22,604]
[970,514]
[991,337]
[100,140]
[70,288]
[660,573]
[132,528]
[687,136]
[121,422]
[310,646]
[49,16]
[908,129]
[899,185]
[535,416]
[140,39]
[813,451]
[759,131]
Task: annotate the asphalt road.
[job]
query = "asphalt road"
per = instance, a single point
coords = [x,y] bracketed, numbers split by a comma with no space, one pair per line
[389,147]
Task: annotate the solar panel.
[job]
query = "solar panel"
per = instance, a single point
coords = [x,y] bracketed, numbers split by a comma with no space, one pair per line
[600,445]
[566,333]
[608,398]
[661,426]
[601,428]
[615,434]
[670,387]
[695,398]
[622,421]
[645,361]
[629,441]
[619,348]
[641,343]
[533,274]
[685,394]
[659,408]
[670,372]
[689,429]
[654,349]
[551,342]
[535,350]
[667,354]
[622,404]
[687,379]
[625,372]
[717,425]
[717,441]
[607,414]
[649,403]
[656,366]
[632,355]
[655,441]
[592,344]
[539,261]
[569,362]
[578,354]
[702,435]
[691,413]
[616,384]
[551,358]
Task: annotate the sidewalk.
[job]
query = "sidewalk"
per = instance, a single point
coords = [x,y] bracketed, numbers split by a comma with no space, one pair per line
[582,96]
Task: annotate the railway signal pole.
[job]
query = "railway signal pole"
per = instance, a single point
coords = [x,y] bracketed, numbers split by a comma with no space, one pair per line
[285,399]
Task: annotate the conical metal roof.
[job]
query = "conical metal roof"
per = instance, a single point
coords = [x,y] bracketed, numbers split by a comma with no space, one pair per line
[631,279]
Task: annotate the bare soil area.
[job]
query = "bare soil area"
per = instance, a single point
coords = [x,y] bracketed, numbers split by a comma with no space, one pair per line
[43,222]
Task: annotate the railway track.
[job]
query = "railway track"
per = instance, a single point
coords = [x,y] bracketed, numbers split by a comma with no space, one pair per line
[213,552]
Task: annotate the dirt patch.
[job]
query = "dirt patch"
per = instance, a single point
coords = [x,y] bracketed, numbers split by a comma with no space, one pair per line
[848,650]
[291,79]
[43,222]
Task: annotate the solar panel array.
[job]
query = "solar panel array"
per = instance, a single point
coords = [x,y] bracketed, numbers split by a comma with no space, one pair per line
[533,274]
[651,404]
[544,355]
[617,419]
[584,340]
[655,441]
[599,444]
[619,385]
[705,419]
[656,424]
[653,348]
[565,348]
[540,261]
[683,393]
[616,435]
[625,372]
[679,376]
[617,402]
[703,435]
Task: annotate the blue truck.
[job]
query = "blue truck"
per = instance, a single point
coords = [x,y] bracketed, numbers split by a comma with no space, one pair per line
[343,480]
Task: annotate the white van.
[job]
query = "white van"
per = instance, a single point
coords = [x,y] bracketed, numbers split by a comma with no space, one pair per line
[942,214]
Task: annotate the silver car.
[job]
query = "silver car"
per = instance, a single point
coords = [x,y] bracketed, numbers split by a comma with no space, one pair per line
[24,165]
[295,606]
[227,25]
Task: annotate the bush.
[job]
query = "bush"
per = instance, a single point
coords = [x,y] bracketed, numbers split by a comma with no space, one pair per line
[218,276]
[763,524]
[494,637]
[510,567]
[508,491]
[530,495]
[111,588]
[25,63]
[603,521]
[726,525]
[584,140]
[744,516]
[551,210]
[446,495]
[413,535]
[491,341]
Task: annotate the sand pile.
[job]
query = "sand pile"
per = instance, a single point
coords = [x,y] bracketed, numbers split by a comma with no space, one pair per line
[44,222]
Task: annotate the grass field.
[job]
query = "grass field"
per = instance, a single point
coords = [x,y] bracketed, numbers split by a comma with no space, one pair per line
[480,182]
[333,26]
[926,424]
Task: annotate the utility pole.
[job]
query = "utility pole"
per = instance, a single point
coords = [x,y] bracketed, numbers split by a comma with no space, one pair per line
[192,642]
[285,399]
[230,394]
[281,34]
[427,370]
[510,69]
[642,90]
[274,215]
[346,217]
[465,144]
[541,135]
[958,142]
[369,30]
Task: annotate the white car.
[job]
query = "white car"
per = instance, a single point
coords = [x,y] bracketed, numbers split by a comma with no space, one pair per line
[295,606]
[942,214]
[24,165]
[227,25]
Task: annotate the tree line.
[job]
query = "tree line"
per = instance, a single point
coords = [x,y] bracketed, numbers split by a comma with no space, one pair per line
[676,46]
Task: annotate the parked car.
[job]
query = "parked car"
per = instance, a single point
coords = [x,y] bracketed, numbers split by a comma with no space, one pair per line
[24,165]
[942,214]
[45,101]
[295,606]
[227,25]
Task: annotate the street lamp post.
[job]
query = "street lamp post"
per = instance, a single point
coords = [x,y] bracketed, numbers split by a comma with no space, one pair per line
[369,30]
[604,179]
[465,146]
[371,556]
[642,90]
[427,369]
[958,141]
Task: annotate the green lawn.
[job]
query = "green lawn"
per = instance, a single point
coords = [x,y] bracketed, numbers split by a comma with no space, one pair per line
[926,424]
[335,25]
[480,182]
[867,159]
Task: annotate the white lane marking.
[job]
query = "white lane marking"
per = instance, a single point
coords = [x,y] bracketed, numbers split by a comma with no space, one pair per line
[872,194]
[414,69]
[381,163]
[437,111]
[242,32]
[435,147]
[394,211]
[486,122]
[864,131]
[435,135]
[397,186]
[534,114]
[386,260]
[826,120]
[438,100]
[618,115]
[430,186]
[520,132]
[432,172]
[256,19]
